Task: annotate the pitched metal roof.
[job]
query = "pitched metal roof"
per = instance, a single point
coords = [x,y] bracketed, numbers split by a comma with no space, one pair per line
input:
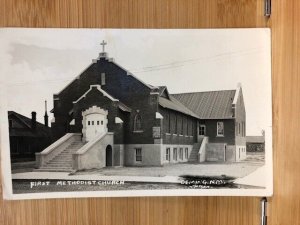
[210,104]
[255,139]
[175,105]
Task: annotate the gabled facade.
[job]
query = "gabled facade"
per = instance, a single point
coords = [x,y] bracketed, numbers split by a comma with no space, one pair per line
[126,122]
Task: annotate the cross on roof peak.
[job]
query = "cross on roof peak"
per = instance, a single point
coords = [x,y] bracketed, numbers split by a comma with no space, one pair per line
[103,43]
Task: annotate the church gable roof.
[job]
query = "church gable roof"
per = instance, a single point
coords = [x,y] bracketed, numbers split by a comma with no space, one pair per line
[210,104]
[130,74]
[103,58]
[121,105]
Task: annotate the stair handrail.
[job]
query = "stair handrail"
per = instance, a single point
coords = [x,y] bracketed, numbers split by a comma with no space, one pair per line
[201,152]
[48,153]
[90,144]
[57,143]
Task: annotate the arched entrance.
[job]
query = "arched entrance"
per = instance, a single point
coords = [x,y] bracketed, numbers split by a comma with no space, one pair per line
[108,153]
[94,121]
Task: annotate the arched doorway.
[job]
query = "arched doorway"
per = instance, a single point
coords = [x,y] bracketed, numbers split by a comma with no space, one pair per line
[108,153]
[94,122]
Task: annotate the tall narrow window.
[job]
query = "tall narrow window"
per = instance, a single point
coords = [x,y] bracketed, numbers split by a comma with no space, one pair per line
[181,153]
[168,154]
[182,125]
[220,129]
[137,122]
[186,153]
[175,154]
[102,78]
[175,131]
[138,155]
[202,130]
[187,127]
[169,123]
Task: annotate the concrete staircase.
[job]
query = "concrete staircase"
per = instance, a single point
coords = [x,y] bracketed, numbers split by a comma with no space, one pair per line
[63,161]
[194,153]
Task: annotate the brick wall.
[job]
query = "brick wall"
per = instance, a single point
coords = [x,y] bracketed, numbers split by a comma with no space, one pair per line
[121,86]
[229,131]
[185,131]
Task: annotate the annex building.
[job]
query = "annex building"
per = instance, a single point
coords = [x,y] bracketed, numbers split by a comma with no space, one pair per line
[108,117]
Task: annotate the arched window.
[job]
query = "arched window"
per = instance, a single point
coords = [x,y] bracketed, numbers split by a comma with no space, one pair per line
[137,122]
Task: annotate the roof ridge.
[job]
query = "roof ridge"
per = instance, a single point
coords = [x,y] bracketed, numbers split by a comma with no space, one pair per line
[201,92]
[23,118]
[212,104]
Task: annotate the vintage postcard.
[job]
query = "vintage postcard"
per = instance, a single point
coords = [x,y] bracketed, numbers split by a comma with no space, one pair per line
[135,112]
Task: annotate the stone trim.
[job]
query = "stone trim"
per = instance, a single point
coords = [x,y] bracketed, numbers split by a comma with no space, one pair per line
[99,89]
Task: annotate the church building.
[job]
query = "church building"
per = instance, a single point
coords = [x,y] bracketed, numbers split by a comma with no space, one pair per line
[108,117]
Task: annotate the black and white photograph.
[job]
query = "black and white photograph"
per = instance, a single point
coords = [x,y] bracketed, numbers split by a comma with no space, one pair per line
[135,112]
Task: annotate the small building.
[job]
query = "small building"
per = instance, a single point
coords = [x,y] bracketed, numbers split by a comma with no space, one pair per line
[107,116]
[255,143]
[27,136]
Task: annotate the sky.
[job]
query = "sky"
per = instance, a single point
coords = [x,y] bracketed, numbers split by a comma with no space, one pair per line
[37,63]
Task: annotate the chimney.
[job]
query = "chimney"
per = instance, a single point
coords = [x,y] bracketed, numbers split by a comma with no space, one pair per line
[46,115]
[33,120]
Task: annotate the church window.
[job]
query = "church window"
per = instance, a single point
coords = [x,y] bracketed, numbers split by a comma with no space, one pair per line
[202,130]
[102,78]
[181,153]
[137,122]
[98,122]
[174,154]
[138,155]
[220,129]
[175,131]
[168,154]
[89,122]
[169,123]
[101,122]
[93,122]
[186,153]
[187,127]
[181,132]
[10,123]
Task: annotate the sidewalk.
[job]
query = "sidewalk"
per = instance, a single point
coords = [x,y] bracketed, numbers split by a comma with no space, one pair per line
[66,176]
